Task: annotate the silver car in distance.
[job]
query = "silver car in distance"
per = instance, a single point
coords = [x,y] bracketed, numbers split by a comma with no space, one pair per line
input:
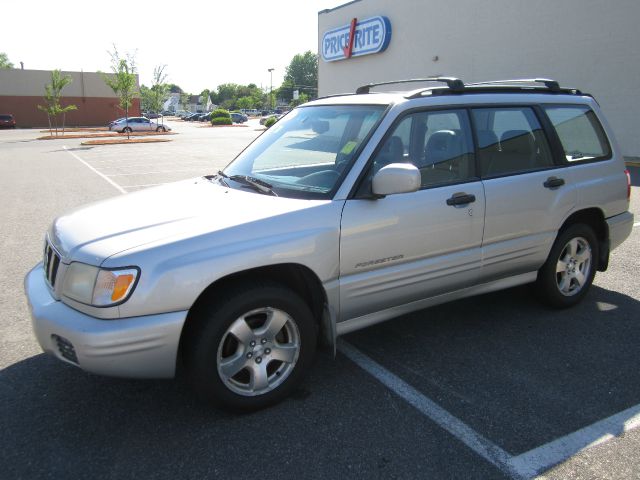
[349,211]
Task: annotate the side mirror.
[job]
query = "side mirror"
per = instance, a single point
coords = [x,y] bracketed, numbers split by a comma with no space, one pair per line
[396,178]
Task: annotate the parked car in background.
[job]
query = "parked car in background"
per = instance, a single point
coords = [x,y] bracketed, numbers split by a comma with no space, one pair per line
[264,119]
[136,124]
[153,115]
[7,120]
[238,117]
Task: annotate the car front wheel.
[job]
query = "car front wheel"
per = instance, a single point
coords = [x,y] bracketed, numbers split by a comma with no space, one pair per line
[568,273]
[251,349]
[161,129]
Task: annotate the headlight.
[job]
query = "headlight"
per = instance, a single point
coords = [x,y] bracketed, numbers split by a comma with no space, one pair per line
[97,286]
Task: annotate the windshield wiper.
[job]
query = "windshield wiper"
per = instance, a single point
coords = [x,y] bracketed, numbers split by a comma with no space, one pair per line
[255,183]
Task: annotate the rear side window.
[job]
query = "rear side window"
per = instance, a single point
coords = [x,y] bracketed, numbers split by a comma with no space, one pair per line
[510,140]
[580,132]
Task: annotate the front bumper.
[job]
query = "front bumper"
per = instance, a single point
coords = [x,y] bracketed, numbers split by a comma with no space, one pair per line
[136,347]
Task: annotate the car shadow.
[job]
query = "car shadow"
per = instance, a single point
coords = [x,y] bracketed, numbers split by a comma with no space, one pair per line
[518,373]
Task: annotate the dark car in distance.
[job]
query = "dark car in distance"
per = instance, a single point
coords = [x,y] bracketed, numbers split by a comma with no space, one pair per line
[7,121]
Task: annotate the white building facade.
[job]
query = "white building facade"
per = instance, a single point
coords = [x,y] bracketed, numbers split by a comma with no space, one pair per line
[592,45]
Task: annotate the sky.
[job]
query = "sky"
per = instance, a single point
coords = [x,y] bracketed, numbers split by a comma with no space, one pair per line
[202,43]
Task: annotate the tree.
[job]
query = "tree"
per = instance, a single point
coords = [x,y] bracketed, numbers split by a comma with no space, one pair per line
[184,100]
[4,61]
[173,88]
[52,94]
[145,98]
[159,89]
[204,98]
[301,75]
[122,80]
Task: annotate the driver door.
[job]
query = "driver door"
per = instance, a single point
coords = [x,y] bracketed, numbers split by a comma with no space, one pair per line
[407,247]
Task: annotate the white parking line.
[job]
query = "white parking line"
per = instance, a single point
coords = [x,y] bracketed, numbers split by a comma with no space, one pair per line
[479,444]
[539,459]
[122,190]
[637,224]
[150,173]
[526,465]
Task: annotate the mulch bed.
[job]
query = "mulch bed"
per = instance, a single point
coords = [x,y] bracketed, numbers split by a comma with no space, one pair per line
[109,134]
[222,126]
[79,129]
[116,141]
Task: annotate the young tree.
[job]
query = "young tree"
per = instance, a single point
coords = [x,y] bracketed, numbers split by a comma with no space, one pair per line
[122,81]
[52,94]
[204,98]
[4,61]
[184,100]
[159,89]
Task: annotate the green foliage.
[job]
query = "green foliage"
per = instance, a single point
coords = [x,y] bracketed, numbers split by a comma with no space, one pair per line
[204,98]
[122,80]
[221,116]
[4,61]
[184,100]
[302,98]
[173,88]
[52,95]
[270,121]
[220,113]
[232,96]
[221,121]
[301,75]
[159,91]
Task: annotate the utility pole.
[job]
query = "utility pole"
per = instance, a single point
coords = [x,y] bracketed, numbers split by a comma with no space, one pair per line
[271,90]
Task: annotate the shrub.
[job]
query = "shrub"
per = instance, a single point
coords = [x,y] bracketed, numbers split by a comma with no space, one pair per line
[220,113]
[221,121]
[270,121]
[221,117]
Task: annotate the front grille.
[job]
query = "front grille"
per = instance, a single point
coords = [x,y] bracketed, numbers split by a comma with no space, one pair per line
[51,263]
[65,347]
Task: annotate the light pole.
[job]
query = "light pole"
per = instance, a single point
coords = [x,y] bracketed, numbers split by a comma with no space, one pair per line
[271,89]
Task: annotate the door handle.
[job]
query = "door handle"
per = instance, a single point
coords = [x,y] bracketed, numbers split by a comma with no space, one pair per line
[461,198]
[553,182]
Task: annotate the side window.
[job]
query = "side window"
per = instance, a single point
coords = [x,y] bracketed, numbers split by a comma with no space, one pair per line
[437,142]
[510,140]
[580,132]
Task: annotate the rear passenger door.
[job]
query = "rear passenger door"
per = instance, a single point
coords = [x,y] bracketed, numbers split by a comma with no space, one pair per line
[528,192]
[407,247]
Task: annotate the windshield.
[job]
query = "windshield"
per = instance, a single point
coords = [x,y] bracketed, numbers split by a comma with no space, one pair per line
[307,153]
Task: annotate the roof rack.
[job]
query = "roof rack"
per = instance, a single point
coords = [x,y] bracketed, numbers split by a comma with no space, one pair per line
[552,85]
[452,83]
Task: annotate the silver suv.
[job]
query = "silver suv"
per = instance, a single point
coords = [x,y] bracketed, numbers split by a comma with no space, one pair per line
[349,211]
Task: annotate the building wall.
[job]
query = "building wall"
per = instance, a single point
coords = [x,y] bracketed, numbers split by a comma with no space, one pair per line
[587,44]
[21,91]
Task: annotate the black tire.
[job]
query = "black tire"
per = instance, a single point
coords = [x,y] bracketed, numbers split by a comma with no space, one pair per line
[563,289]
[126,130]
[209,336]
[161,129]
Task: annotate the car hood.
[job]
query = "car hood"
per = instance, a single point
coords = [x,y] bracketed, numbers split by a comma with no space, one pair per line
[95,232]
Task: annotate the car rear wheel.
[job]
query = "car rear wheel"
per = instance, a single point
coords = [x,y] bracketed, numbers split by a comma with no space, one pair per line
[568,273]
[251,349]
[126,130]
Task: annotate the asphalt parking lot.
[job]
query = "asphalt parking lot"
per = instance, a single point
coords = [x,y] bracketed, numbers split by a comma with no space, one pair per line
[494,386]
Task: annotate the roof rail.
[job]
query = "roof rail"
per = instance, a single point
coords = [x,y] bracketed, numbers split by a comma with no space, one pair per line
[552,85]
[452,83]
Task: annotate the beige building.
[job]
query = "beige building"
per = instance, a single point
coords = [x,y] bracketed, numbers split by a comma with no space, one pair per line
[21,91]
[593,45]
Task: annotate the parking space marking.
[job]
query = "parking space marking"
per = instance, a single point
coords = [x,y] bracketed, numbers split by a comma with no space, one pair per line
[541,458]
[150,173]
[523,466]
[472,439]
[637,224]
[122,190]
